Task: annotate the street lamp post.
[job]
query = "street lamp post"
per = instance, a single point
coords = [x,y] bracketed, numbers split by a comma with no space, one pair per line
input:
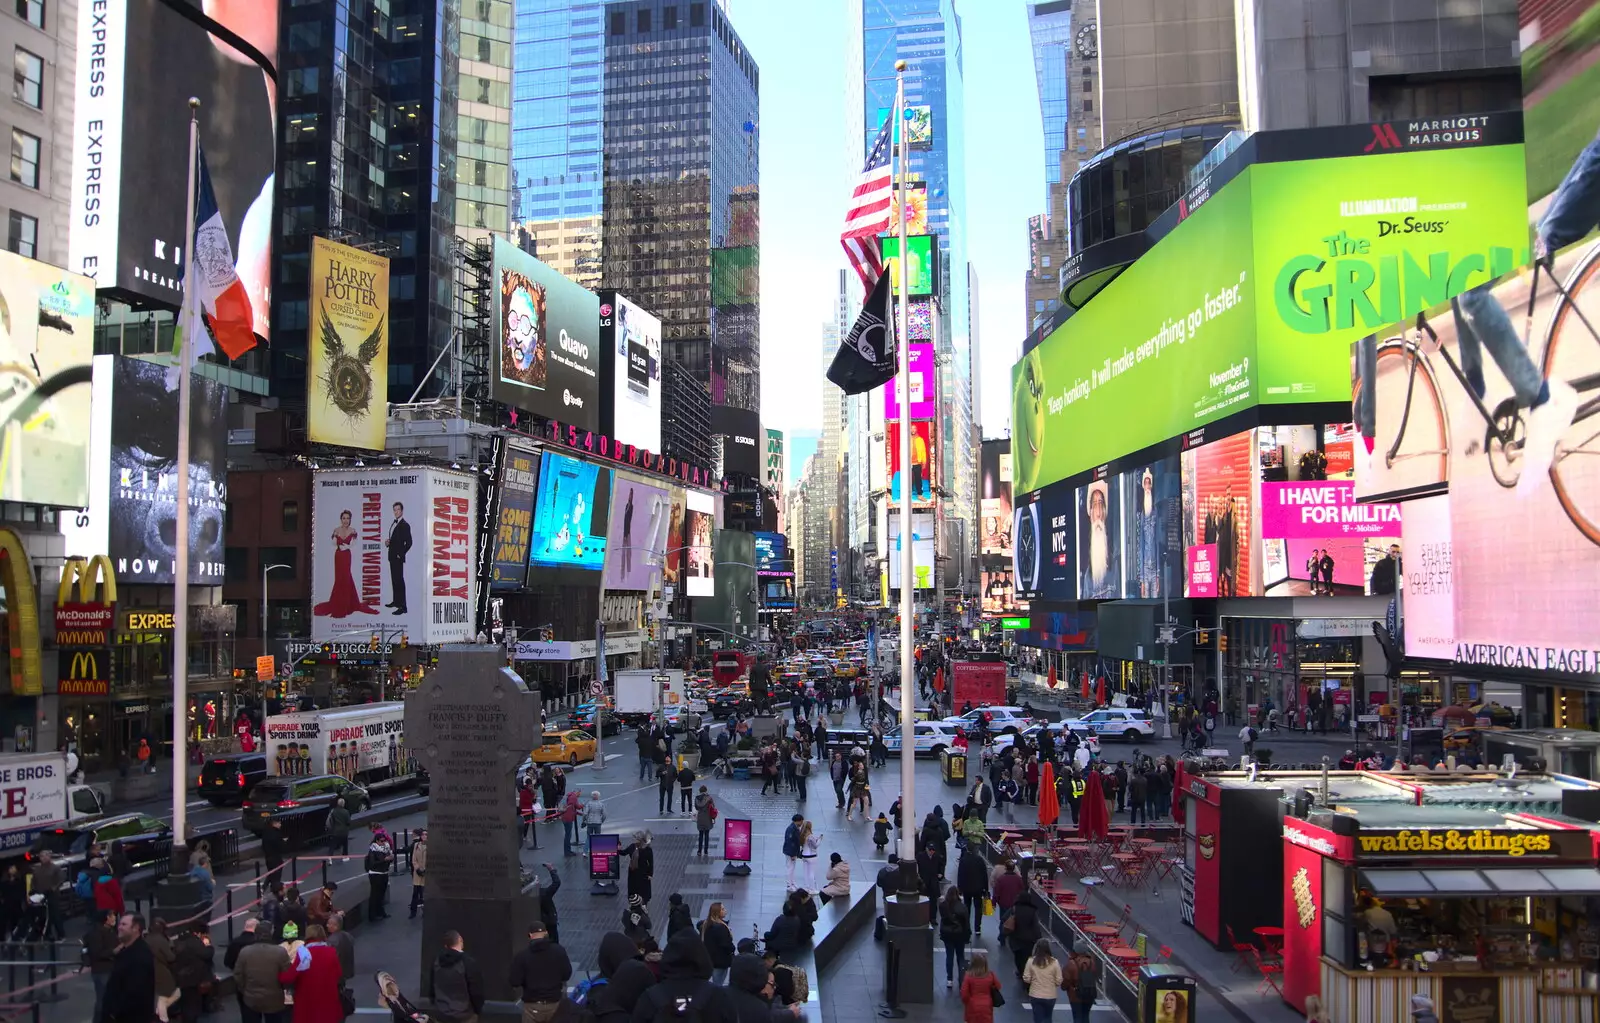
[265,571]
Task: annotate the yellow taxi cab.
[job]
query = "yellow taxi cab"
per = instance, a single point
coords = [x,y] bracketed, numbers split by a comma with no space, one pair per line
[569,747]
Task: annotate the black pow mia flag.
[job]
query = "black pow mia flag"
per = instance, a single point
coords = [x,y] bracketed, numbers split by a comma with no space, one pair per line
[866,357]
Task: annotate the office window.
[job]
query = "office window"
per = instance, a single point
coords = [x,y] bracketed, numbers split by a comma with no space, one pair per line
[22,235]
[291,516]
[1088,106]
[27,81]
[236,564]
[31,11]
[644,20]
[619,23]
[697,15]
[669,18]
[24,158]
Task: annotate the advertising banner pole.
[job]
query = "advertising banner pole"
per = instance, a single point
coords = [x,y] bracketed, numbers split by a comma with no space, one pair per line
[908,734]
[180,572]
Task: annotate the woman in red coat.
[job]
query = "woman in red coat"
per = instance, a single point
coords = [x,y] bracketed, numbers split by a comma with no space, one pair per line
[314,974]
[978,989]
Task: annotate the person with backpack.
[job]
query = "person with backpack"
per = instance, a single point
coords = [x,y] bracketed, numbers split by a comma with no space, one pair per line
[1081,981]
[1022,929]
[1042,977]
[338,828]
[955,932]
[705,815]
[1247,735]
[106,890]
[685,994]
[612,996]
[539,972]
[380,855]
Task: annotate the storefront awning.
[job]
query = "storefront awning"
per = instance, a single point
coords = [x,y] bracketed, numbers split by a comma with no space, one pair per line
[1489,883]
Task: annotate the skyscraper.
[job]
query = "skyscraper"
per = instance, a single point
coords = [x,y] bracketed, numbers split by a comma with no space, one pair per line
[556,145]
[483,120]
[368,102]
[682,207]
[927,35]
[1050,28]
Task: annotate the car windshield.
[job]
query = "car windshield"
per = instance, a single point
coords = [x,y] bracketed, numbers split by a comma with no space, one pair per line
[269,792]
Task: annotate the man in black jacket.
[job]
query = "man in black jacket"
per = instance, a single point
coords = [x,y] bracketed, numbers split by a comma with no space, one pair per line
[456,984]
[751,987]
[547,904]
[627,977]
[665,776]
[888,880]
[540,972]
[131,988]
[685,988]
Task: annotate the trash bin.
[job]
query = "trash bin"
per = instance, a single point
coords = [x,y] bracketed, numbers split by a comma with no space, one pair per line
[953,767]
[1166,995]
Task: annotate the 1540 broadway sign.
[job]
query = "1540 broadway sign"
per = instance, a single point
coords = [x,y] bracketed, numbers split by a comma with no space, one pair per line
[1473,842]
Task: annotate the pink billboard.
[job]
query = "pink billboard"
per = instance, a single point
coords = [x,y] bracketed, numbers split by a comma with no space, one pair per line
[1203,570]
[1326,508]
[923,388]
[736,835]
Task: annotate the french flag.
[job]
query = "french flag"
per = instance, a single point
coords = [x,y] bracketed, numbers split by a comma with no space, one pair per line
[224,305]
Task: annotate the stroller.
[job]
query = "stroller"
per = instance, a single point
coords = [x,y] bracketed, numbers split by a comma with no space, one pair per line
[35,922]
[401,1010]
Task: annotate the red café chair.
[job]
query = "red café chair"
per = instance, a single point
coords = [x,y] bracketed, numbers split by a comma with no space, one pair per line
[1242,951]
[1271,970]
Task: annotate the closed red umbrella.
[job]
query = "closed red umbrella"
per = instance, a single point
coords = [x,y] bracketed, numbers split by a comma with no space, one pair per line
[1177,788]
[1050,679]
[1049,805]
[1100,692]
[1093,822]
[1084,678]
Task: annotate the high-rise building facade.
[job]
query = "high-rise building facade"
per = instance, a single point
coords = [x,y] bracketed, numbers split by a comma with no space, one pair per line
[38,122]
[682,219]
[927,35]
[483,120]
[556,186]
[1050,30]
[368,101]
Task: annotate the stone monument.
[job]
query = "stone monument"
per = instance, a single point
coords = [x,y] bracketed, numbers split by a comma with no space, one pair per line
[471,723]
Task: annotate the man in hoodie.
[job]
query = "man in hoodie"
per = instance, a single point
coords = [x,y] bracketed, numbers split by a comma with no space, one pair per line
[547,904]
[540,972]
[685,988]
[751,988]
[626,978]
[456,984]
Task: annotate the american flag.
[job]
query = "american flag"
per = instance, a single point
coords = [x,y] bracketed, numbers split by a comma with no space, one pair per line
[868,214]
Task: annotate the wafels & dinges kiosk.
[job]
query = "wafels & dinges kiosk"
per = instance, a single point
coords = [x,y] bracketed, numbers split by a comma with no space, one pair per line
[1494,915]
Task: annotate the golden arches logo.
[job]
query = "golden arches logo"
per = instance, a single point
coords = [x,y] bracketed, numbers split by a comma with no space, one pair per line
[85,665]
[92,577]
[22,630]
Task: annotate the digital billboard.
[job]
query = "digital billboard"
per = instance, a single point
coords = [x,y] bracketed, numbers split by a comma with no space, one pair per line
[347,364]
[772,554]
[999,591]
[1099,512]
[630,341]
[924,387]
[677,523]
[513,528]
[923,461]
[1045,533]
[394,549]
[699,530]
[920,271]
[548,333]
[1217,536]
[741,445]
[141,526]
[569,519]
[916,208]
[922,549]
[1152,531]
[994,500]
[1254,297]
[46,343]
[640,515]
[1317,540]
[141,61]
[1428,568]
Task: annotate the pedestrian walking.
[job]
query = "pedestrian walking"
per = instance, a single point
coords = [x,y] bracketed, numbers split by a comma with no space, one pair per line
[192,961]
[161,952]
[972,883]
[419,870]
[705,814]
[257,967]
[338,827]
[1042,977]
[456,984]
[1022,929]
[838,773]
[540,971]
[100,955]
[274,845]
[978,990]
[955,932]
[48,877]
[1081,980]
[380,857]
[130,987]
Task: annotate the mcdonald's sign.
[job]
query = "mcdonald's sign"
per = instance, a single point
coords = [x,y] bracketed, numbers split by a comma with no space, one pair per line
[84,673]
[22,619]
[86,602]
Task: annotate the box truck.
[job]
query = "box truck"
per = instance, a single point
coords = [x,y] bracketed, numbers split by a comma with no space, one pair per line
[35,796]
[365,744]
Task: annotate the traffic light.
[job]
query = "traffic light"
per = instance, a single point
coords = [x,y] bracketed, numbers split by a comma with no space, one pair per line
[372,643]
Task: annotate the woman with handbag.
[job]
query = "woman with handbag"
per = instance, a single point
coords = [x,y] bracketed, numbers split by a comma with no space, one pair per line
[980,990]
[955,932]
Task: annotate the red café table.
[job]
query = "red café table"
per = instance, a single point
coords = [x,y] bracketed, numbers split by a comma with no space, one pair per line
[1271,939]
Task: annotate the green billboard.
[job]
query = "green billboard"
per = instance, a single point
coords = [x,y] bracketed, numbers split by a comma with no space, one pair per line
[1256,296]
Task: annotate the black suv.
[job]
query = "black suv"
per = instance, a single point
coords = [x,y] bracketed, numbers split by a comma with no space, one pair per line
[145,841]
[227,780]
[301,803]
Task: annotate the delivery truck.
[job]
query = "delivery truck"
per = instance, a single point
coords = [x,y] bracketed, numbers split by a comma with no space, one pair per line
[36,796]
[364,744]
[641,692]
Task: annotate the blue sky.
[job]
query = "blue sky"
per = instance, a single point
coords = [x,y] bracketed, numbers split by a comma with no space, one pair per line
[805,176]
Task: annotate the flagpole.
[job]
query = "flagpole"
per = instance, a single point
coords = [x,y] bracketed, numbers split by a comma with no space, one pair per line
[180,571]
[908,632]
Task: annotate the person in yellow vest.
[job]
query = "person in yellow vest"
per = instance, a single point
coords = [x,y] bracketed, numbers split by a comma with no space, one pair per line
[1075,789]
